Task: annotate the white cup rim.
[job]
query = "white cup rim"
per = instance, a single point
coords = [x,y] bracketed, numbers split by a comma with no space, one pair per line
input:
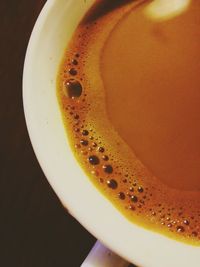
[90,208]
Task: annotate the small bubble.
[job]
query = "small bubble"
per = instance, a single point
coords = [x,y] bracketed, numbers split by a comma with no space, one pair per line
[180,229]
[77,146]
[77,55]
[85,132]
[107,168]
[169,225]
[131,207]
[94,172]
[76,116]
[121,195]
[76,123]
[83,152]
[131,189]
[94,160]
[134,199]
[73,72]
[74,62]
[112,184]
[101,180]
[140,189]
[186,222]
[101,149]
[72,88]
[84,142]
[94,144]
[104,157]
[194,234]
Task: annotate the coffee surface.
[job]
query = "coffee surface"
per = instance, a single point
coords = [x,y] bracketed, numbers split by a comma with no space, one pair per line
[128,88]
[152,82]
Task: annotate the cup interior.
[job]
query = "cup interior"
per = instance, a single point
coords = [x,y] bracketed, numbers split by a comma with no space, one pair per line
[47,45]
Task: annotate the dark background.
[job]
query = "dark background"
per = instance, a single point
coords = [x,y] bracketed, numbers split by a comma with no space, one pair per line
[35,230]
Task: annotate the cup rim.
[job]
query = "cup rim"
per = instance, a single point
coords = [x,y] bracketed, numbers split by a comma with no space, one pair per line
[148,242]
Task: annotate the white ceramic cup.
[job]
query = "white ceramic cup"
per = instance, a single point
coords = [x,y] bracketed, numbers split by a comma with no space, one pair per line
[51,33]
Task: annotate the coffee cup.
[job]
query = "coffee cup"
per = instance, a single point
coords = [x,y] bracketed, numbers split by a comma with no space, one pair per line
[53,30]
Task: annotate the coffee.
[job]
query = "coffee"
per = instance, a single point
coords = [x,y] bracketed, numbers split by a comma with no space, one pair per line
[128,89]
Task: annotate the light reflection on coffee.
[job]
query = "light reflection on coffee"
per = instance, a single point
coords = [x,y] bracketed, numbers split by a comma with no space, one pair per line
[129,93]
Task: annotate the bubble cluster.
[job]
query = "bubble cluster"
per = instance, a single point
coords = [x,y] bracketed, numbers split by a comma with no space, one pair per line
[127,184]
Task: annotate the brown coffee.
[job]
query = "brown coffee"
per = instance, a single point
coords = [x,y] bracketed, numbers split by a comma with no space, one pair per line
[129,92]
